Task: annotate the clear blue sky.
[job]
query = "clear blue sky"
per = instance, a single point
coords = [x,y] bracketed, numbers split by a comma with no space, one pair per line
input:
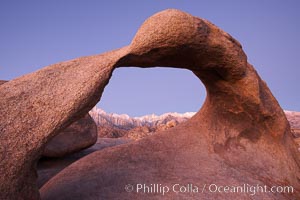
[37,33]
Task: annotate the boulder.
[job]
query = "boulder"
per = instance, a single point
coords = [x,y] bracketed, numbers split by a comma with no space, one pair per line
[79,135]
[49,167]
[37,106]
[110,131]
[139,132]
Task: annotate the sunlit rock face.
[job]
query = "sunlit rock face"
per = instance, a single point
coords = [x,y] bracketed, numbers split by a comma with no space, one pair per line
[239,136]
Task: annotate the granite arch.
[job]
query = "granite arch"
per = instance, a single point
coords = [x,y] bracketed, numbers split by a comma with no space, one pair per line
[239,130]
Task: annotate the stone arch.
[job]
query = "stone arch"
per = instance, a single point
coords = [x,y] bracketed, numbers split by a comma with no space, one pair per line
[241,130]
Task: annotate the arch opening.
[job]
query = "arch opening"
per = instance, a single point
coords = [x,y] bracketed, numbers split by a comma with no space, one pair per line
[138,102]
[143,91]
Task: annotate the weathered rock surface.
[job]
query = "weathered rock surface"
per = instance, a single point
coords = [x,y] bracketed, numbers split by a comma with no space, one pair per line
[2,82]
[79,135]
[49,167]
[239,136]
[111,132]
[36,107]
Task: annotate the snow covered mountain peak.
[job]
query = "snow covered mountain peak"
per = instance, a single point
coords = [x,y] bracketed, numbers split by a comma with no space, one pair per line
[124,120]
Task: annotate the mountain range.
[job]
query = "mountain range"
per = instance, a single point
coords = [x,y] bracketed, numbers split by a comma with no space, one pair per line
[118,125]
[126,122]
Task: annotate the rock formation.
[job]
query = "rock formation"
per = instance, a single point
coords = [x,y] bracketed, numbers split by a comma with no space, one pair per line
[111,132]
[239,136]
[36,107]
[49,167]
[79,135]
[2,82]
